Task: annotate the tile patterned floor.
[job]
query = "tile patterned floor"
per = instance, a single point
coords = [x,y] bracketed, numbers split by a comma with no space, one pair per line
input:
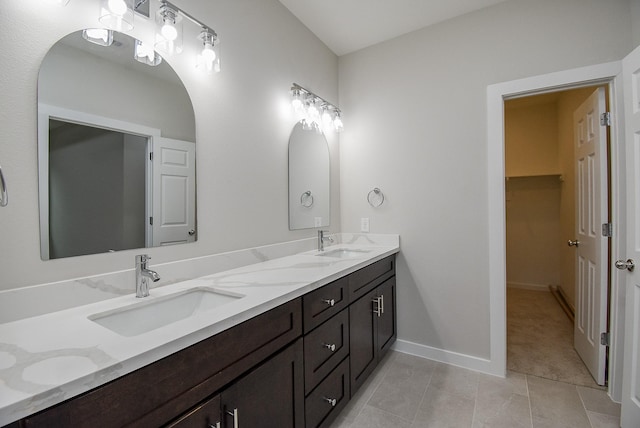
[411,392]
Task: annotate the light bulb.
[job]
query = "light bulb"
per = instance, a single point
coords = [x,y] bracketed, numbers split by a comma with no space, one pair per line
[118,7]
[314,114]
[208,54]
[168,31]
[326,116]
[337,123]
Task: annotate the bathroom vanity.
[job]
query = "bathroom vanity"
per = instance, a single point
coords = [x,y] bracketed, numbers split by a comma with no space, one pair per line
[294,360]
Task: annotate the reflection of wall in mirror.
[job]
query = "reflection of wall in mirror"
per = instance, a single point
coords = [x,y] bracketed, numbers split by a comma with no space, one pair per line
[309,170]
[95,176]
[114,91]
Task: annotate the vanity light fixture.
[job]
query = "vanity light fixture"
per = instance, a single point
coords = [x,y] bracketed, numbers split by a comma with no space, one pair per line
[99,36]
[209,58]
[168,40]
[145,54]
[315,110]
[117,14]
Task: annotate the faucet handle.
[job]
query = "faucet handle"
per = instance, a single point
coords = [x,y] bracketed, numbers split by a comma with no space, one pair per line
[142,258]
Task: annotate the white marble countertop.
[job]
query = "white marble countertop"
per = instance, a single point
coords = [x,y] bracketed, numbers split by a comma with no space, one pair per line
[47,359]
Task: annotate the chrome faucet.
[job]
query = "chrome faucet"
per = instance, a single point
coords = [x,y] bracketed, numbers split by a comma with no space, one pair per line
[143,275]
[322,238]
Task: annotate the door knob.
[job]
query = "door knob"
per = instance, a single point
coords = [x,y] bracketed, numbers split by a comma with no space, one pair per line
[573,243]
[192,232]
[628,265]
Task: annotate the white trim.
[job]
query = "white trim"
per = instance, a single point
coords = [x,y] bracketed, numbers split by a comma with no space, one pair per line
[46,112]
[448,357]
[496,94]
[528,286]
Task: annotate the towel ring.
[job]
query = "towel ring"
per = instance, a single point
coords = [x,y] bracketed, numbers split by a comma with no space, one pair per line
[306,199]
[4,196]
[375,197]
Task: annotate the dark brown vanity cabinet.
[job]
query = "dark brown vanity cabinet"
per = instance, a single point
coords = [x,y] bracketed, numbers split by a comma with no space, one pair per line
[358,326]
[372,322]
[294,366]
[269,395]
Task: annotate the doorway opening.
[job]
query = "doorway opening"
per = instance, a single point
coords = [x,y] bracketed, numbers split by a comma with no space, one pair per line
[541,190]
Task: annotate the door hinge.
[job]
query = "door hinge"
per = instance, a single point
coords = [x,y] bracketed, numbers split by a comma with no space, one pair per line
[607,230]
[151,221]
[605,339]
[605,119]
[151,156]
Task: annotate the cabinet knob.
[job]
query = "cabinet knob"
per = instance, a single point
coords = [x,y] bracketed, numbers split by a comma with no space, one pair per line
[331,347]
[329,302]
[331,401]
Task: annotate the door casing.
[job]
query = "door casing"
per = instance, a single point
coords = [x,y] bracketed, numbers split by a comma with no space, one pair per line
[603,74]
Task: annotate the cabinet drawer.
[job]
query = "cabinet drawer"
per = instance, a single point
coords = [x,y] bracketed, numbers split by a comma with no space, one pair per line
[206,415]
[320,409]
[324,348]
[366,279]
[323,303]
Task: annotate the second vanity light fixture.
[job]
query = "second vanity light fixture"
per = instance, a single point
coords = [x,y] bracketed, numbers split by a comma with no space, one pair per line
[118,15]
[315,110]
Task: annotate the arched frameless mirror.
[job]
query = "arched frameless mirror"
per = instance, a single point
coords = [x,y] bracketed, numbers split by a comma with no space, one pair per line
[309,184]
[116,150]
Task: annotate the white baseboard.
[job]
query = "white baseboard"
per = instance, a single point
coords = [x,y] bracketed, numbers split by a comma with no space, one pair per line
[528,286]
[454,358]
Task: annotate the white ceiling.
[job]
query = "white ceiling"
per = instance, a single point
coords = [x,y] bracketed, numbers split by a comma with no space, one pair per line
[348,25]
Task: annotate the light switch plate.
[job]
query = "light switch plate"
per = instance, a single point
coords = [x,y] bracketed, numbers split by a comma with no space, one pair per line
[364,224]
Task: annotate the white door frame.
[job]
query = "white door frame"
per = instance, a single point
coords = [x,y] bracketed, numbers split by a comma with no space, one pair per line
[496,94]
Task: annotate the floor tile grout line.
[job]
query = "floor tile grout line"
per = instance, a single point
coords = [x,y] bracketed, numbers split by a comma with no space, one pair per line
[424,394]
[584,406]
[475,403]
[526,380]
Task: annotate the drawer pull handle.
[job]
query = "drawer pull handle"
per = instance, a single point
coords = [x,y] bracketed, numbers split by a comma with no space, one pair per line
[235,417]
[331,347]
[331,401]
[214,426]
[329,302]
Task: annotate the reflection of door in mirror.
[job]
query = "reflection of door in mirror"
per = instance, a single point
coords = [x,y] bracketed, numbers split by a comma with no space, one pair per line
[309,184]
[96,190]
[90,92]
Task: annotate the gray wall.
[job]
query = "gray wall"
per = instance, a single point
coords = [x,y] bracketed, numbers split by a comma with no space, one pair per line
[417,129]
[243,122]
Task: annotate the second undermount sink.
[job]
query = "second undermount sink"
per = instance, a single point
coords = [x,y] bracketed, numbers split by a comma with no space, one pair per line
[343,253]
[149,315]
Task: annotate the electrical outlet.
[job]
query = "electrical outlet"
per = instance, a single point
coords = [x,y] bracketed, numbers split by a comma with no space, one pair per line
[364,224]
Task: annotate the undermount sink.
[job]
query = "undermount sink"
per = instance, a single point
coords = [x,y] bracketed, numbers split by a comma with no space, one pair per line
[343,253]
[149,315]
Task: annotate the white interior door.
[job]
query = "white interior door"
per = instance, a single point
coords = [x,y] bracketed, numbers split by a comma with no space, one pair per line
[631,382]
[174,191]
[592,254]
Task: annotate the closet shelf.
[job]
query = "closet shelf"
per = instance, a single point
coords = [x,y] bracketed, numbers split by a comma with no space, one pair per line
[559,176]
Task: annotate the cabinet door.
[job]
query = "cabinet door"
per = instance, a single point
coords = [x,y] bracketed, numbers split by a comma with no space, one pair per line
[363,339]
[206,415]
[387,320]
[272,395]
